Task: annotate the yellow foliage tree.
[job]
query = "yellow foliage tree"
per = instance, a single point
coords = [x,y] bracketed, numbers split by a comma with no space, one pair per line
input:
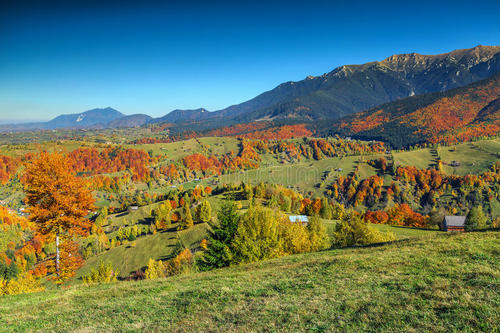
[58,201]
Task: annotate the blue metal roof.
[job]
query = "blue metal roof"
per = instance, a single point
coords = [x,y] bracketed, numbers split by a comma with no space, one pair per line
[298,218]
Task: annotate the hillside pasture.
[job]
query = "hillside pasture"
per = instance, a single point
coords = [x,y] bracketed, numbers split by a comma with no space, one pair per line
[472,158]
[128,258]
[447,283]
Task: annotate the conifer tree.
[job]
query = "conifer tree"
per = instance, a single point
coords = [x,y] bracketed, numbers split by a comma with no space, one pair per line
[187,221]
[219,252]
[204,212]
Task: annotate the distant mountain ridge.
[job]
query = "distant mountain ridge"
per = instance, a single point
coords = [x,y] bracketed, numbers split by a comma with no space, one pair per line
[105,118]
[342,92]
[85,119]
[95,118]
[134,120]
[184,115]
[353,88]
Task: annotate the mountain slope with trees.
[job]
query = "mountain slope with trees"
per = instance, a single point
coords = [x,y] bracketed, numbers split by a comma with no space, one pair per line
[452,116]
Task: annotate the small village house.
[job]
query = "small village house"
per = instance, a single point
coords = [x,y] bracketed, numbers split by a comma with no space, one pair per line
[299,219]
[131,209]
[454,223]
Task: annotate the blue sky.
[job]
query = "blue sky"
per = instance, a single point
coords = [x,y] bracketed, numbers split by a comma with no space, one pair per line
[153,57]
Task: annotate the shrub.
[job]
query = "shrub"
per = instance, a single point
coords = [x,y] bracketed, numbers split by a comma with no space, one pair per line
[476,219]
[104,273]
[24,283]
[154,270]
[258,235]
[354,231]
[181,264]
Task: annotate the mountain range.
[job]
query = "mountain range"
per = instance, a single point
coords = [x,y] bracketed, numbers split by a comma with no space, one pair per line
[353,88]
[342,92]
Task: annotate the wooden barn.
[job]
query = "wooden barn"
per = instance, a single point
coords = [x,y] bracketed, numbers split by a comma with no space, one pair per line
[454,223]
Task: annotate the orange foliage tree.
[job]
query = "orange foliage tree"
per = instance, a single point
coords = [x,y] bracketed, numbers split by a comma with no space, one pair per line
[58,201]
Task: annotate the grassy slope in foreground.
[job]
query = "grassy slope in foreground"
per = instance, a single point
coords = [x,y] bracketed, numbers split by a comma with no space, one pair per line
[446,283]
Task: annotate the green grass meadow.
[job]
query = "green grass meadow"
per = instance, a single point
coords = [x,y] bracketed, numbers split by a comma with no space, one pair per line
[446,283]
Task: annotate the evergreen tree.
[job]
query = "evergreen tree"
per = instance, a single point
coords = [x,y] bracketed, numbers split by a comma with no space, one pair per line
[476,219]
[187,221]
[162,215]
[436,217]
[219,252]
[204,211]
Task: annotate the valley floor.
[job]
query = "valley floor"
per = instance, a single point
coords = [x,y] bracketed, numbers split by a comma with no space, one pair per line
[449,282]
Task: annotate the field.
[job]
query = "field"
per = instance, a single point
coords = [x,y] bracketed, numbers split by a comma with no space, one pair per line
[474,157]
[450,282]
[406,232]
[303,176]
[420,158]
[180,149]
[128,258]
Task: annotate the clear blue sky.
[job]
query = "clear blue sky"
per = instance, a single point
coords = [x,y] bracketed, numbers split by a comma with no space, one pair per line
[153,57]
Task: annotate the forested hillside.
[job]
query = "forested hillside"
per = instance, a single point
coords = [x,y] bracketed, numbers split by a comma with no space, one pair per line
[449,117]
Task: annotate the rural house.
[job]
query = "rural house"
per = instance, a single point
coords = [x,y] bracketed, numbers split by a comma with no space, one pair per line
[298,219]
[131,209]
[454,223]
